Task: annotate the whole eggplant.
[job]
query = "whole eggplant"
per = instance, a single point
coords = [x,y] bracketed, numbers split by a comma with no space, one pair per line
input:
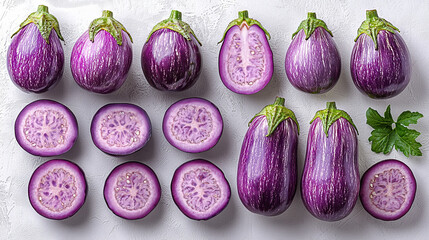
[380,62]
[312,62]
[330,180]
[171,59]
[102,56]
[35,57]
[267,168]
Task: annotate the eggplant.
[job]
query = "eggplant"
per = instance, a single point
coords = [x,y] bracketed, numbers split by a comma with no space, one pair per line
[313,63]
[380,63]
[101,58]
[170,58]
[330,180]
[267,168]
[35,57]
[245,58]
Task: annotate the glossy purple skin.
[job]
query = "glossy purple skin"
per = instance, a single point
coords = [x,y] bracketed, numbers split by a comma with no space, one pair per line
[154,188]
[34,65]
[313,65]
[80,184]
[267,168]
[408,198]
[382,73]
[101,66]
[225,52]
[179,197]
[170,62]
[330,180]
[45,104]
[216,122]
[140,116]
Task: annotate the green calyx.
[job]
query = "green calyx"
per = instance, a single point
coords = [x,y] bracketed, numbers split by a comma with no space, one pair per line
[109,24]
[44,21]
[310,24]
[175,23]
[275,114]
[243,17]
[331,114]
[373,25]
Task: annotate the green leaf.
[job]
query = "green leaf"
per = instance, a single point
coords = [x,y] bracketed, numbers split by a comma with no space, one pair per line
[375,120]
[406,141]
[406,118]
[383,140]
[384,136]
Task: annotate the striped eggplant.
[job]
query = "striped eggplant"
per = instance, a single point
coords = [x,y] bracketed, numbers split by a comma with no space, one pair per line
[380,64]
[312,62]
[245,59]
[267,168]
[330,181]
[171,59]
[102,56]
[35,57]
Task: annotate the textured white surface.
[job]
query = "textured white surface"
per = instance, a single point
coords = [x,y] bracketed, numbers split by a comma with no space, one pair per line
[209,19]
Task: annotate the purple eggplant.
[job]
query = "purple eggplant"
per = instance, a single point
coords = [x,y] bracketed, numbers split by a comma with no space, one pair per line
[380,63]
[102,56]
[57,189]
[245,58]
[388,190]
[330,181]
[35,58]
[200,189]
[313,63]
[171,59]
[267,168]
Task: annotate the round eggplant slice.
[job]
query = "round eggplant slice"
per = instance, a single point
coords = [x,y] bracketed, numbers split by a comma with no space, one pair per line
[192,125]
[46,128]
[57,189]
[132,190]
[120,128]
[388,189]
[200,189]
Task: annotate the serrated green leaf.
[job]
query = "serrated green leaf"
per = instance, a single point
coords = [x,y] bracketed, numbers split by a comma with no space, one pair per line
[388,115]
[383,140]
[406,141]
[406,118]
[375,120]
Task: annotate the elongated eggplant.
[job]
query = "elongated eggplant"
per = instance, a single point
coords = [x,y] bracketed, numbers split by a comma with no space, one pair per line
[267,168]
[330,181]
[380,64]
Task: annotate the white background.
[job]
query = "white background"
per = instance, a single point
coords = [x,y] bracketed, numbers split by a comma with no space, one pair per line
[209,19]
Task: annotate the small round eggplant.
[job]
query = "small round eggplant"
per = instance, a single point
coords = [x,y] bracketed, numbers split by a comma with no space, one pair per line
[102,56]
[192,125]
[330,180]
[200,189]
[313,64]
[245,58]
[388,189]
[57,189]
[132,190]
[380,64]
[267,168]
[46,128]
[170,58]
[35,58]
[120,128]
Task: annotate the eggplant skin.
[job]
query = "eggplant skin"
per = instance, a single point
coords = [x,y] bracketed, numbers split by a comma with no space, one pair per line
[170,62]
[267,168]
[101,66]
[313,65]
[382,73]
[330,180]
[33,64]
